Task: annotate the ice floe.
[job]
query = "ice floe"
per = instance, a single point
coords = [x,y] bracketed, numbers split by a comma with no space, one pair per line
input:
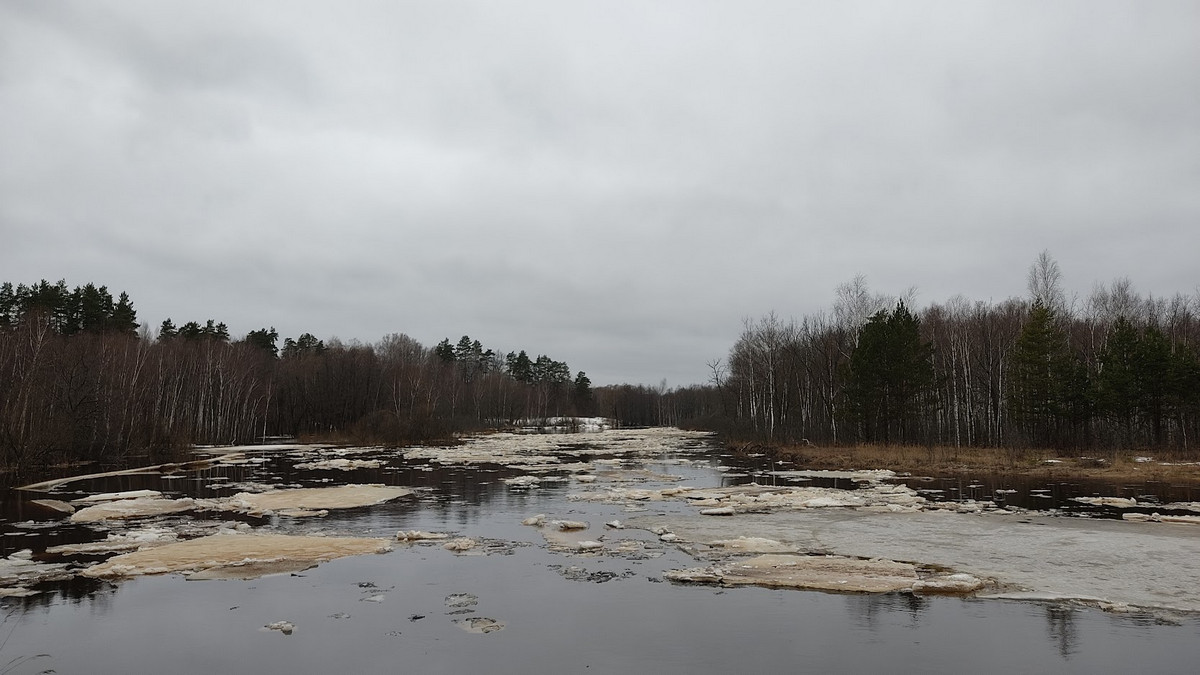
[1095,561]
[119,542]
[1119,502]
[1161,518]
[479,625]
[829,573]
[753,545]
[536,453]
[418,535]
[19,571]
[285,627]
[753,497]
[461,600]
[237,556]
[340,464]
[139,507]
[825,573]
[114,496]
[311,501]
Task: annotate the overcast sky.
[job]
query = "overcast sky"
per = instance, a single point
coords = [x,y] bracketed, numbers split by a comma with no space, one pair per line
[613,184]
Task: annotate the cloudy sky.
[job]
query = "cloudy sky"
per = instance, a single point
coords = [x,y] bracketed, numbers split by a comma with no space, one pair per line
[614,184]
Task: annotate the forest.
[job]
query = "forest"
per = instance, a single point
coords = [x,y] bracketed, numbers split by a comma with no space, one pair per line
[1115,370]
[82,380]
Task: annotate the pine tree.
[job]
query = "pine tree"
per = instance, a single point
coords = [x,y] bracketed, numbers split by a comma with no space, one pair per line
[264,339]
[445,351]
[1040,366]
[581,394]
[124,317]
[1157,378]
[520,368]
[1116,378]
[890,375]
[306,344]
[8,305]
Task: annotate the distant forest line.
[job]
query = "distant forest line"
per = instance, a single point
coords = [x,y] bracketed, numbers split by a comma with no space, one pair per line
[1115,370]
[82,380]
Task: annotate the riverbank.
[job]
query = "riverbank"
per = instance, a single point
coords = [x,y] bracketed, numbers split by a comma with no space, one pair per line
[951,461]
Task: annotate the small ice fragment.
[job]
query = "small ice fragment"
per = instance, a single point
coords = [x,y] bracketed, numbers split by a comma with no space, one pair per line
[480,625]
[418,535]
[565,525]
[460,600]
[114,496]
[285,627]
[460,544]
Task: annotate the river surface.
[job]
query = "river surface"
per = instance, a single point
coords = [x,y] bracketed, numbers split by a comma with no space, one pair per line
[515,603]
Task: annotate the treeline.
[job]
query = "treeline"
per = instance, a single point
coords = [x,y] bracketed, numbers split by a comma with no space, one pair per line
[80,381]
[1116,370]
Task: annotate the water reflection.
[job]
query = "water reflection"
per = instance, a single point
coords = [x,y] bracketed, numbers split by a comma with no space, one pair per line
[1040,494]
[1060,621]
[868,610]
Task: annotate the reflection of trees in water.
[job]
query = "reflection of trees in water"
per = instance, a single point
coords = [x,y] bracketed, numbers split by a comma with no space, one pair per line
[868,609]
[1061,622]
[75,592]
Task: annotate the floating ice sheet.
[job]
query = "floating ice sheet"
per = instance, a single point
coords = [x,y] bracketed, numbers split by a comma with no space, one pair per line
[828,573]
[242,556]
[340,464]
[1093,560]
[133,508]
[311,501]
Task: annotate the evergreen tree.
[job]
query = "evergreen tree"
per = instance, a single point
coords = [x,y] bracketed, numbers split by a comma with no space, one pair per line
[8,305]
[1157,378]
[890,375]
[445,351]
[123,319]
[264,339]
[1117,378]
[167,330]
[306,344]
[581,394]
[519,366]
[463,353]
[482,359]
[191,331]
[1040,366]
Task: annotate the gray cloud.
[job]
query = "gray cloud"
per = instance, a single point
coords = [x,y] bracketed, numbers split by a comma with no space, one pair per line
[613,184]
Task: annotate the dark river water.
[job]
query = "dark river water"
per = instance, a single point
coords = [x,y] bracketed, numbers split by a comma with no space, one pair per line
[561,613]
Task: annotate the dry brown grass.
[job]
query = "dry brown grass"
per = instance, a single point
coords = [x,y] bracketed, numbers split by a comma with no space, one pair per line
[949,461]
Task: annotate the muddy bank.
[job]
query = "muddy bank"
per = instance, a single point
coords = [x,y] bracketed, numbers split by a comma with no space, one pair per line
[950,461]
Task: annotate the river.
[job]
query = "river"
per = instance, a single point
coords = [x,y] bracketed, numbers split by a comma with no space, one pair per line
[1065,593]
